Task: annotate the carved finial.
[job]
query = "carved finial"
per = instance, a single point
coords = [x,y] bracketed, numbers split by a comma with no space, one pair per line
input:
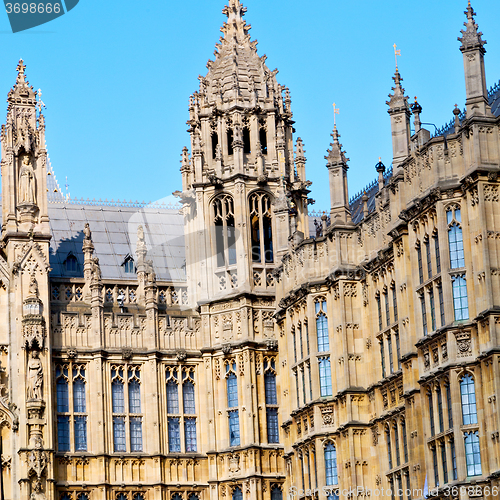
[471,38]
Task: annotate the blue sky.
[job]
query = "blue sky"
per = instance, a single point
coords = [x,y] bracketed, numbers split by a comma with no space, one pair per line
[116,78]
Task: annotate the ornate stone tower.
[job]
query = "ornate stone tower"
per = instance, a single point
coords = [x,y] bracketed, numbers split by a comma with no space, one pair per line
[245,204]
[25,267]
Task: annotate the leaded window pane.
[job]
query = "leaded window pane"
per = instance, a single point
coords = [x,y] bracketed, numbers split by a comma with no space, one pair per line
[232,391]
[134,396]
[272,426]
[455,239]
[468,396]
[460,300]
[270,388]
[80,433]
[472,454]
[325,377]
[237,494]
[135,434]
[62,396]
[322,333]
[276,494]
[188,398]
[79,403]
[63,443]
[190,434]
[331,465]
[174,435]
[117,397]
[172,398]
[234,428]
[119,434]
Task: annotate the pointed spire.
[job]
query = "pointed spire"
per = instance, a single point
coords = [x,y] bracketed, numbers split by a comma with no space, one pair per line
[397,98]
[335,154]
[22,87]
[471,38]
[235,27]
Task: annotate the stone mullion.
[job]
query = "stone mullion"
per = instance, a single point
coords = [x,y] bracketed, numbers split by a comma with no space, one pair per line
[260,400]
[242,242]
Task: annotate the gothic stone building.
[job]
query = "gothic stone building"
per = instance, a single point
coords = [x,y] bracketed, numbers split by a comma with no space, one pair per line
[227,351]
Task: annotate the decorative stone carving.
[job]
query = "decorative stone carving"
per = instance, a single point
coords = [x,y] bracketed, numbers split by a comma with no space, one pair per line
[464,344]
[327,415]
[34,376]
[27,188]
[37,461]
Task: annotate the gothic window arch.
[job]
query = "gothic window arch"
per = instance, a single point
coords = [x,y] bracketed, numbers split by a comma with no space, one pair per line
[276,493]
[193,496]
[176,496]
[126,407]
[237,494]
[468,399]
[83,496]
[138,496]
[325,376]
[129,265]
[321,324]
[71,407]
[189,409]
[455,237]
[472,453]
[232,403]
[225,237]
[460,298]
[121,496]
[71,263]
[261,228]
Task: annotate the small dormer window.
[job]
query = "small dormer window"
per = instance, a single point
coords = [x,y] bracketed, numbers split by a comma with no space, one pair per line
[71,264]
[129,265]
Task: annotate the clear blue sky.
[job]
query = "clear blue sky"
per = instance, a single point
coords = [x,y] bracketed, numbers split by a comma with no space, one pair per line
[116,78]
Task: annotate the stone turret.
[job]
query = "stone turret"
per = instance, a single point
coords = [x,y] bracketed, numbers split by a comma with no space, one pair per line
[473,52]
[399,112]
[337,169]
[242,160]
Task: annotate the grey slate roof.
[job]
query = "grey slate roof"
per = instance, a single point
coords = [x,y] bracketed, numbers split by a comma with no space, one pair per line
[114,234]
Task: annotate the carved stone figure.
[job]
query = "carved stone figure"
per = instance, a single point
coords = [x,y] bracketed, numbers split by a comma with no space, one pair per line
[87,232]
[35,376]
[33,286]
[27,183]
[140,234]
[37,494]
[96,270]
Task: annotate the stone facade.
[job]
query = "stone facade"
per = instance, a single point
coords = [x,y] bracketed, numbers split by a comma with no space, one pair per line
[272,364]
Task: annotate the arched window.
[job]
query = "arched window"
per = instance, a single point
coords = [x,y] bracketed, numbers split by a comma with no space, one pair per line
[71,264]
[121,496]
[271,401]
[215,143]
[118,407]
[270,388]
[322,325]
[193,496]
[62,392]
[129,265]
[172,393]
[79,408]
[246,141]
[276,493]
[138,496]
[237,494]
[261,228]
[468,396]
[460,299]
[455,238]
[225,237]
[331,465]
[84,496]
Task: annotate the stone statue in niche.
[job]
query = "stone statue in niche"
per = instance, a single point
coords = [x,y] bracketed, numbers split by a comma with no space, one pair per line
[37,493]
[96,270]
[35,376]
[27,183]
[33,286]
